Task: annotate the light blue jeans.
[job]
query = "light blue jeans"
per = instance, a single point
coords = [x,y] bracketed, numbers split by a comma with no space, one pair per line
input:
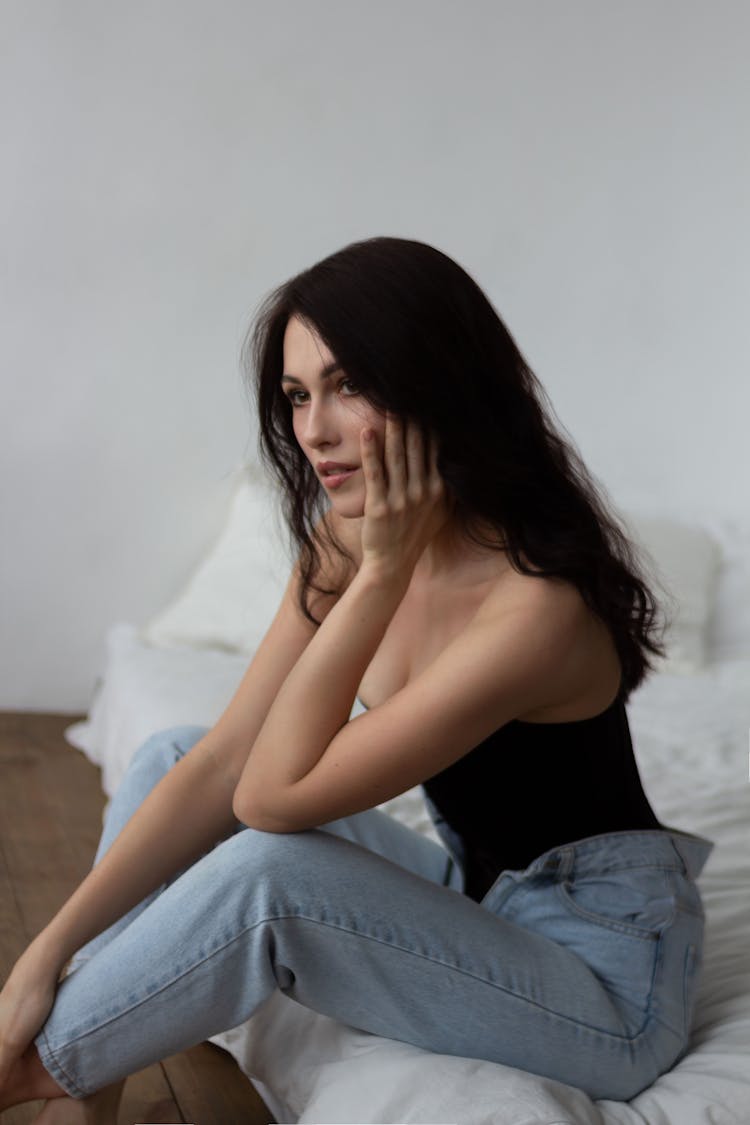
[583,967]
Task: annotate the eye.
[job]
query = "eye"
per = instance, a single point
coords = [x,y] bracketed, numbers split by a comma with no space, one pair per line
[347,387]
[293,397]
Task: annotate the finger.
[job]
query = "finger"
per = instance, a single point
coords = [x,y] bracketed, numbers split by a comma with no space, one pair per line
[434,476]
[432,455]
[372,467]
[416,459]
[395,455]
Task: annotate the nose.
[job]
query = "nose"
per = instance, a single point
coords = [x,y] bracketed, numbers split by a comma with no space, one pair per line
[320,424]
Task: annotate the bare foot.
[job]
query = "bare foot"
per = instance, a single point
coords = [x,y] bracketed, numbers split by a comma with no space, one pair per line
[98,1109]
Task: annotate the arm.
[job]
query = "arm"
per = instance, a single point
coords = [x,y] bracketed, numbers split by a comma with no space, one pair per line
[309,765]
[498,667]
[190,809]
[402,513]
[188,812]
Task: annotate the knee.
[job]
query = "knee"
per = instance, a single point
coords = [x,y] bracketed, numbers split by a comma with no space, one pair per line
[274,862]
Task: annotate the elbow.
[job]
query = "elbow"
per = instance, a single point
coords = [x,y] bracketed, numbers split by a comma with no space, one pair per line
[239,809]
[249,813]
[244,809]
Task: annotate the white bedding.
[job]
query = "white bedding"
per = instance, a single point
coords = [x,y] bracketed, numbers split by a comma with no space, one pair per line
[691,738]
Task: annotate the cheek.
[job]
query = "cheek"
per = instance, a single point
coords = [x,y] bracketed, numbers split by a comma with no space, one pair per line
[299,434]
[362,414]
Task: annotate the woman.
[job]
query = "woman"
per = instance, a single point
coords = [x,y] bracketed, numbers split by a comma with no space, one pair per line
[458,570]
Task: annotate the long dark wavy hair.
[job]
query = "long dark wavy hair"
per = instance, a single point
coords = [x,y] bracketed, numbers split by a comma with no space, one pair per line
[418,337]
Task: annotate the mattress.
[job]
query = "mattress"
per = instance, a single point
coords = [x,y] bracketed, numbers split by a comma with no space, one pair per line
[690,734]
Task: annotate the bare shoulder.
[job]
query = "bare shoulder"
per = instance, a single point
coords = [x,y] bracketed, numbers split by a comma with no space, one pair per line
[554,602]
[549,615]
[547,612]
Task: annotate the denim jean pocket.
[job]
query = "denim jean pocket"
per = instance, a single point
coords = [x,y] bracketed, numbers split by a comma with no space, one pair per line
[604,927]
[636,901]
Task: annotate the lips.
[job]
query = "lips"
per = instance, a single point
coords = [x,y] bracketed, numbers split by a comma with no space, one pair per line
[334,468]
[334,473]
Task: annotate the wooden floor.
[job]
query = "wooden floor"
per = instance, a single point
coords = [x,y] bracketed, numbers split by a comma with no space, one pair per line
[51,803]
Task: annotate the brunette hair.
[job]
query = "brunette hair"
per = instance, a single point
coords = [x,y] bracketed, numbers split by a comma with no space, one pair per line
[418,337]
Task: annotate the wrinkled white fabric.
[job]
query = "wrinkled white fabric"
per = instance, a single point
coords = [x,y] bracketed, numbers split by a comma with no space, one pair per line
[691,740]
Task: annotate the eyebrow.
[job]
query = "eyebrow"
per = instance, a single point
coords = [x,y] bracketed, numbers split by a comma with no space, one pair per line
[329,369]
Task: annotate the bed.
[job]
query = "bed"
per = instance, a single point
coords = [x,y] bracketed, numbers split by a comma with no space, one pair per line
[690,723]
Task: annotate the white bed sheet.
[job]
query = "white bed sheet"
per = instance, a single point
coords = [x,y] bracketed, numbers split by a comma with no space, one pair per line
[691,737]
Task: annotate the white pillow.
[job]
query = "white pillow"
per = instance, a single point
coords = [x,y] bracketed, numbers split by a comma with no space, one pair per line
[682,561]
[233,596]
[231,599]
[146,689]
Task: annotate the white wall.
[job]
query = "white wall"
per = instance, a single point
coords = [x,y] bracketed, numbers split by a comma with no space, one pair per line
[167,162]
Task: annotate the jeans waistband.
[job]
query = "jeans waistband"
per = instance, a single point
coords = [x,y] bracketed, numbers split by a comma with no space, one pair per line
[667,848]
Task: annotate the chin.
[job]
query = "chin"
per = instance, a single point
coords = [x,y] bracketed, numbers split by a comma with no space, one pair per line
[348,507]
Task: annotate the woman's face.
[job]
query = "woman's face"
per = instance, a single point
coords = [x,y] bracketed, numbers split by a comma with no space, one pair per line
[328,415]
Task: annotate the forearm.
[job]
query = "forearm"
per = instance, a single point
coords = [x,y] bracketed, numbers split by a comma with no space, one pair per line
[404,509]
[186,813]
[316,698]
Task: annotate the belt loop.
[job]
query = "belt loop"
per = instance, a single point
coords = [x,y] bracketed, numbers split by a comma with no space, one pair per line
[558,863]
[566,863]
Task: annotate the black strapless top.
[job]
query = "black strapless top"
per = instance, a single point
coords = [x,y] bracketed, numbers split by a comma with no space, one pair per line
[533,786]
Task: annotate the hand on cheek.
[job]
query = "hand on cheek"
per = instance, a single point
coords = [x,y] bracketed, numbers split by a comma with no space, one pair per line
[405,497]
